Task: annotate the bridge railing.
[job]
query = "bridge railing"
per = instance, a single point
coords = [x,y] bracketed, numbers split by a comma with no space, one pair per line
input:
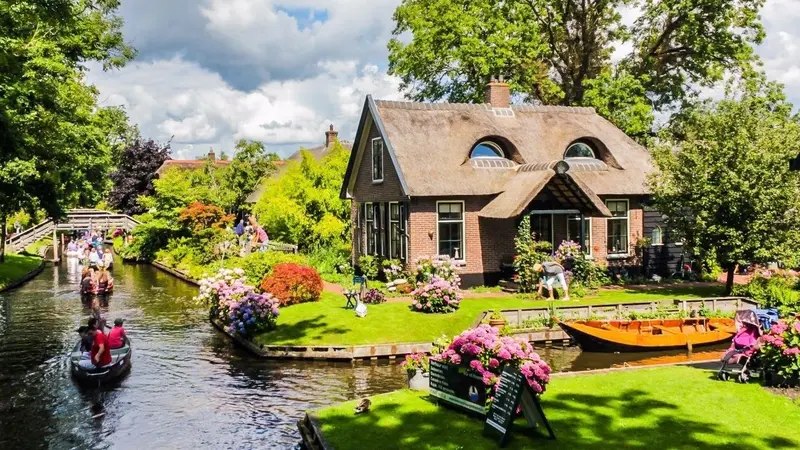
[76,219]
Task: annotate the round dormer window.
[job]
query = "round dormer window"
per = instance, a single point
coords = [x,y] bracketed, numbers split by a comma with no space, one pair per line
[579,150]
[486,150]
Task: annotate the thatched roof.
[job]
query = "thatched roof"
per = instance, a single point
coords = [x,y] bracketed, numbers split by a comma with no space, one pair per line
[430,143]
[188,164]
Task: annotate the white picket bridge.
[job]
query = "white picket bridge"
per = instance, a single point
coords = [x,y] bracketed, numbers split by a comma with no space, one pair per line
[76,219]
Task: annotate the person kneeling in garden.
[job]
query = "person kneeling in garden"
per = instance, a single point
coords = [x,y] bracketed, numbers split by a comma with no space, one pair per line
[549,273]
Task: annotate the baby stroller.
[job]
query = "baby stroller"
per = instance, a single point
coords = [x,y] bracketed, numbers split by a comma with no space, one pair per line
[750,325]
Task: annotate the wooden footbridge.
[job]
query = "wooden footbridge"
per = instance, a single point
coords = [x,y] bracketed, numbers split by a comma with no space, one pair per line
[76,220]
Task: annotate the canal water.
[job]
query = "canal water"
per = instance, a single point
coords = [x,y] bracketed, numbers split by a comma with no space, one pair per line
[189,387]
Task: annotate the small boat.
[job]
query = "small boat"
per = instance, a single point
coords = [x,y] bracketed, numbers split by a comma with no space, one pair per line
[120,364]
[648,335]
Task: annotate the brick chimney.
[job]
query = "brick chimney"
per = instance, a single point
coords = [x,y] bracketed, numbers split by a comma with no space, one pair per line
[211,155]
[497,93]
[330,136]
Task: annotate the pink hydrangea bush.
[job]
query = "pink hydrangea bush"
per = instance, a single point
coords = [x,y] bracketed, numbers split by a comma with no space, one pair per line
[416,361]
[780,349]
[436,296]
[238,305]
[483,350]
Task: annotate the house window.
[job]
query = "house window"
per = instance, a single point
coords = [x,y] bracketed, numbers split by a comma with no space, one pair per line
[395,235]
[579,150]
[618,226]
[372,229]
[450,225]
[377,160]
[657,237]
[486,150]
[542,227]
[574,232]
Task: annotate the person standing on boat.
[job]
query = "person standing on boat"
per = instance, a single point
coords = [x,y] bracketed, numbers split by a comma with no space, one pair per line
[550,272]
[100,354]
[94,260]
[108,259]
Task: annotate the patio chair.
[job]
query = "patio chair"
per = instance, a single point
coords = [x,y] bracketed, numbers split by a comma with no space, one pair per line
[360,289]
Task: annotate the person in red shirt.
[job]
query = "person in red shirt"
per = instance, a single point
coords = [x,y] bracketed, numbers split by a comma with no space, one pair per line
[116,337]
[100,355]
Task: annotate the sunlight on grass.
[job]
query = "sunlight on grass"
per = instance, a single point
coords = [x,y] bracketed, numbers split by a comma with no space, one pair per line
[15,267]
[327,322]
[676,407]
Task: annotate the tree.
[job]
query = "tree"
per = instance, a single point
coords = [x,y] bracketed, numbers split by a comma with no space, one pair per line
[724,182]
[135,174]
[249,165]
[559,51]
[302,206]
[54,140]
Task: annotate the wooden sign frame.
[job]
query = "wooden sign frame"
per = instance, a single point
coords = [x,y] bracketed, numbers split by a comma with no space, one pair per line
[521,397]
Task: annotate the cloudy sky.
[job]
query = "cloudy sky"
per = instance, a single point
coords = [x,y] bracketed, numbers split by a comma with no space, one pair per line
[210,72]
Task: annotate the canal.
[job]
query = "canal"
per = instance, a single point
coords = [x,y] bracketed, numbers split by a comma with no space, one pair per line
[189,387]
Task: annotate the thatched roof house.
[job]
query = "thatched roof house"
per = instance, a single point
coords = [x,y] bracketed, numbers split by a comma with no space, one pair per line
[192,164]
[440,178]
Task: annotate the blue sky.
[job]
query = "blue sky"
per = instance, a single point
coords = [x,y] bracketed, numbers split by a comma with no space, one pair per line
[210,72]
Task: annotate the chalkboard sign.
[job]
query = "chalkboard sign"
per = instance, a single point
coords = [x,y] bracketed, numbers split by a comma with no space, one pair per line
[458,386]
[513,391]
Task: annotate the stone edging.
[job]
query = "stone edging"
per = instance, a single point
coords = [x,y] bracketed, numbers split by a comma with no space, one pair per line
[174,272]
[25,279]
[311,432]
[629,368]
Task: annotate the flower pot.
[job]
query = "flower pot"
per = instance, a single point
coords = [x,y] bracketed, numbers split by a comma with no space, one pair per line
[497,323]
[418,380]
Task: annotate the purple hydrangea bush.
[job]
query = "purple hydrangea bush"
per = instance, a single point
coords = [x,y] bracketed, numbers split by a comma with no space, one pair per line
[436,296]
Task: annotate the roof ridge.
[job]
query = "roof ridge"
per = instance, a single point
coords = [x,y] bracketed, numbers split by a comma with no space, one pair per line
[445,106]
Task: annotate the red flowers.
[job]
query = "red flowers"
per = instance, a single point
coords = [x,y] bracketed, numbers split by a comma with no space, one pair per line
[292,283]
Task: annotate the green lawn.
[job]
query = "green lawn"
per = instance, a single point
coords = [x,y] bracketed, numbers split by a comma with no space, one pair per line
[675,407]
[327,322]
[16,267]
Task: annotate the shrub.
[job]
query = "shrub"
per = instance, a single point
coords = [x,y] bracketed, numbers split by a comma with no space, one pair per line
[529,252]
[331,259]
[416,361]
[436,296]
[393,269]
[582,270]
[772,290]
[781,350]
[199,216]
[486,352]
[292,283]
[237,304]
[374,296]
[369,266]
[259,264]
[443,267]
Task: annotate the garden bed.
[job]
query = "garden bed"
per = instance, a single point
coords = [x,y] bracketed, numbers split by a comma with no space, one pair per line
[17,269]
[673,407]
[792,394]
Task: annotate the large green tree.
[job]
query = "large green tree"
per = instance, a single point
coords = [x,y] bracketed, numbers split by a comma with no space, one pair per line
[55,143]
[248,167]
[724,182]
[559,51]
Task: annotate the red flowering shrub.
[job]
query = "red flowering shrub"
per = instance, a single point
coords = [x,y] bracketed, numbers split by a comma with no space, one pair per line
[199,216]
[292,283]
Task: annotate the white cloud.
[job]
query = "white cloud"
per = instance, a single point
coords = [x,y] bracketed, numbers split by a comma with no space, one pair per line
[179,98]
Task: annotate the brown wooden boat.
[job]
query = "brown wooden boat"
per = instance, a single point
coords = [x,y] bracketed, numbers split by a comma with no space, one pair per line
[648,335]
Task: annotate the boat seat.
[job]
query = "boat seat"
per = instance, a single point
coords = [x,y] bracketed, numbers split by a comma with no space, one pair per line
[665,329]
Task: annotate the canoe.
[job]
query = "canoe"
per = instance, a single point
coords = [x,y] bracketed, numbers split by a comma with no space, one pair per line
[120,364]
[648,335]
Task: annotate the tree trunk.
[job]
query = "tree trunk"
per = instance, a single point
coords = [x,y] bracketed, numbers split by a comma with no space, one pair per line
[2,239]
[729,280]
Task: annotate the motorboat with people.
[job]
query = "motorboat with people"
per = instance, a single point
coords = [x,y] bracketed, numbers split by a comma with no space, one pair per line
[648,335]
[120,364]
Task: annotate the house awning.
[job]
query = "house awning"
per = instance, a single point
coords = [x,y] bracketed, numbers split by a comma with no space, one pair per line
[521,190]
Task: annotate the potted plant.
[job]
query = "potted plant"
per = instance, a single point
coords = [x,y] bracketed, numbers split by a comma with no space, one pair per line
[497,320]
[417,366]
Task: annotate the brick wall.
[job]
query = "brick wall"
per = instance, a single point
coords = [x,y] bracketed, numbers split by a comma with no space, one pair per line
[489,242]
[389,190]
[635,230]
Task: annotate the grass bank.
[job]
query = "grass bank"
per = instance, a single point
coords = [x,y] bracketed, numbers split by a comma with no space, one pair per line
[675,407]
[16,267]
[327,322]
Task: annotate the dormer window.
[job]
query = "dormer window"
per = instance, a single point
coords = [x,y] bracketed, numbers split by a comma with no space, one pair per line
[579,150]
[486,149]
[377,160]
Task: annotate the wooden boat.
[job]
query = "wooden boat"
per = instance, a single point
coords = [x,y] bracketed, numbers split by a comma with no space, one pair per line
[120,364]
[648,335]
[96,291]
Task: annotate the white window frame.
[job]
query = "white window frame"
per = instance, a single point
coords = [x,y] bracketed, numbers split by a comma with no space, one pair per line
[391,247]
[661,235]
[586,219]
[463,221]
[372,160]
[368,229]
[491,145]
[627,221]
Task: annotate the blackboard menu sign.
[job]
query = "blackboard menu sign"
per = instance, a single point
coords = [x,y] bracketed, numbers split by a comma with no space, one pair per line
[458,386]
[512,392]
